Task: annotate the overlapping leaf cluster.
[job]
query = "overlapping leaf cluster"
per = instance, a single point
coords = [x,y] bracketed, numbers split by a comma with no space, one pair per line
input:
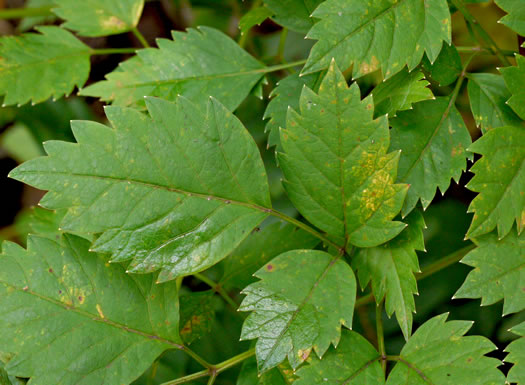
[175,184]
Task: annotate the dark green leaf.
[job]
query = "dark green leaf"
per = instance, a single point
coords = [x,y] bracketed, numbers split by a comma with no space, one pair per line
[300,303]
[391,269]
[35,67]
[250,376]
[337,170]
[447,67]
[177,191]
[515,79]
[196,315]
[69,318]
[499,272]
[258,248]
[354,362]
[516,356]
[433,139]
[196,64]
[500,180]
[381,34]
[439,353]
[293,14]
[254,17]
[515,19]
[488,97]
[99,17]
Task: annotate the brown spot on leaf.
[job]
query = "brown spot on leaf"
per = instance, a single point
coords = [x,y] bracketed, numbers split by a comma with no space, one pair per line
[269,267]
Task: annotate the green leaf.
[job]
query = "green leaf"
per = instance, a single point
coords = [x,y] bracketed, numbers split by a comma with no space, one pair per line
[391,269]
[285,95]
[354,362]
[515,19]
[300,303]
[514,79]
[293,14]
[99,17]
[254,17]
[399,92]
[499,272]
[195,64]
[337,170]
[177,191]
[516,356]
[196,315]
[439,353]
[433,139]
[447,67]
[500,180]
[250,376]
[382,34]
[56,297]
[259,248]
[35,67]
[488,97]
[29,22]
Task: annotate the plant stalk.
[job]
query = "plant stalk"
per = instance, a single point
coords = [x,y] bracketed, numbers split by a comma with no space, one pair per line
[217,288]
[381,335]
[17,13]
[140,37]
[111,51]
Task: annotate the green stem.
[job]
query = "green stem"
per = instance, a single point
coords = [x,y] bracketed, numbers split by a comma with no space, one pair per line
[431,269]
[196,357]
[411,366]
[17,13]
[282,43]
[214,370]
[280,67]
[140,37]
[484,37]
[110,51]
[381,335]
[217,288]
[211,381]
[485,51]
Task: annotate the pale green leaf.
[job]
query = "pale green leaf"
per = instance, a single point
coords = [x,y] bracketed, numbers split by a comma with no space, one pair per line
[258,248]
[177,190]
[254,17]
[293,14]
[391,269]
[433,140]
[99,17]
[337,170]
[447,67]
[382,34]
[515,19]
[300,303]
[69,318]
[438,353]
[37,66]
[516,356]
[285,95]
[515,79]
[499,272]
[196,315]
[197,64]
[488,97]
[354,362]
[400,91]
[500,180]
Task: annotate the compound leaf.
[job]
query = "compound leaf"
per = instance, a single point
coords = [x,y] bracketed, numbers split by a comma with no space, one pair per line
[99,17]
[488,97]
[176,191]
[258,248]
[399,92]
[516,356]
[391,269]
[439,353]
[196,64]
[293,14]
[500,180]
[514,79]
[384,34]
[337,170]
[37,66]
[286,95]
[300,303]
[354,362]
[57,297]
[499,272]
[515,19]
[433,139]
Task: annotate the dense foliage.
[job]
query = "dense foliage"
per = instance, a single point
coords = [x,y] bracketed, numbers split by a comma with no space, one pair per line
[171,220]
